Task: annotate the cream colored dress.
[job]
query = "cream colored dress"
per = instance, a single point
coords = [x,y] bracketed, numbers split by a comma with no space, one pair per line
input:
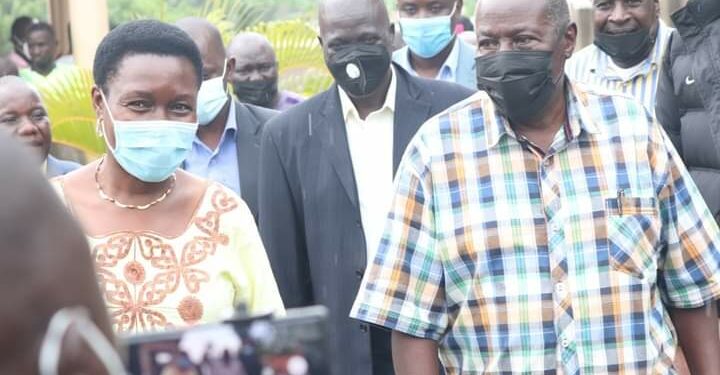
[153,282]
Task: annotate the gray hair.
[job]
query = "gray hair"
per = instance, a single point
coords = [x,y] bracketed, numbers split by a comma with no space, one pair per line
[558,13]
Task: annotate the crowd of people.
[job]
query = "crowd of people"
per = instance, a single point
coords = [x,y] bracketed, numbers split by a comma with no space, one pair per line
[507,205]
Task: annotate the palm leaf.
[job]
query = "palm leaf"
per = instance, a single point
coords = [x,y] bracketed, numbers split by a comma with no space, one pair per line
[231,16]
[67,98]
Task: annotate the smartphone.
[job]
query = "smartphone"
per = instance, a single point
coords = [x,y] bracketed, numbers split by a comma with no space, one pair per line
[295,344]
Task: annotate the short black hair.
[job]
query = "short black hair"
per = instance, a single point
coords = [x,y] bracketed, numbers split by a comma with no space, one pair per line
[19,26]
[142,37]
[41,26]
[467,24]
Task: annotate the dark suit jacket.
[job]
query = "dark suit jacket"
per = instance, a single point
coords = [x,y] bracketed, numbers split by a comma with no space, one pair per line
[250,122]
[57,167]
[310,218]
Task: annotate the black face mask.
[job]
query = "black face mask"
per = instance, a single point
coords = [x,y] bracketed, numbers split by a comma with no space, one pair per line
[260,93]
[629,48]
[519,82]
[359,68]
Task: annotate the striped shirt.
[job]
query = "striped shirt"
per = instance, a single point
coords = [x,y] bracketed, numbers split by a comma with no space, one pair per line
[519,261]
[592,66]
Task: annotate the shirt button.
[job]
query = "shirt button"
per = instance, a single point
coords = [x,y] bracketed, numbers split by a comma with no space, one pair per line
[560,290]
[555,227]
[564,342]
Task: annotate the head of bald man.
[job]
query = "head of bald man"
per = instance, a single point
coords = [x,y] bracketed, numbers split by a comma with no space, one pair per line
[45,267]
[23,115]
[7,67]
[354,30]
[255,79]
[209,41]
[522,49]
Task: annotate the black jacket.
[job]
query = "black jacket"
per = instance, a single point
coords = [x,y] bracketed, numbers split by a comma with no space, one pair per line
[250,123]
[688,98]
[309,214]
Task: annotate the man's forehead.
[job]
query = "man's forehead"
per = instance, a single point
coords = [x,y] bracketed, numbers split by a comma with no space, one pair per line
[511,13]
[422,3]
[12,87]
[336,15]
[39,34]
[251,49]
[254,56]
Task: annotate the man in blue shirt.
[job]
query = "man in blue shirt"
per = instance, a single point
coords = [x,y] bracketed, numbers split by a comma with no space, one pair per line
[227,145]
[432,50]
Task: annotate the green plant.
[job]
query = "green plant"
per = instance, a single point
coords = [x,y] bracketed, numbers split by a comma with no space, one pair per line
[68,100]
[11,9]
[230,16]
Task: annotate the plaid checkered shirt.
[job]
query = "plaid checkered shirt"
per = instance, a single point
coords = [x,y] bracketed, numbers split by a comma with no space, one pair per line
[519,261]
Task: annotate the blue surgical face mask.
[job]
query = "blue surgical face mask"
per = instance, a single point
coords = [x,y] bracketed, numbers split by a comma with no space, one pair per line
[211,98]
[150,150]
[427,37]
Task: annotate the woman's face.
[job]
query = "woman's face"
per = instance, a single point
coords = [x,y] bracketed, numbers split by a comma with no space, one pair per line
[148,87]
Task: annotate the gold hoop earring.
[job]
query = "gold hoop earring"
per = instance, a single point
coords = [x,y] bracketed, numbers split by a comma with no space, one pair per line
[99,126]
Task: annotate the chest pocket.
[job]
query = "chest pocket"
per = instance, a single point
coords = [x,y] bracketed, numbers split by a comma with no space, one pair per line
[633,226]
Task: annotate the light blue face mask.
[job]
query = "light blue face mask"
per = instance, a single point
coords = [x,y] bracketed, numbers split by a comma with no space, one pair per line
[427,37]
[211,98]
[150,150]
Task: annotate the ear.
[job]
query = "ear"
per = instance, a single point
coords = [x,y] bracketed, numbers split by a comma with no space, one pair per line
[97,101]
[457,12]
[390,37]
[230,68]
[569,39]
[459,8]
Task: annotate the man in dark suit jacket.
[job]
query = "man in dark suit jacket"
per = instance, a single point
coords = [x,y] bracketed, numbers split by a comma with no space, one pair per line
[227,147]
[310,210]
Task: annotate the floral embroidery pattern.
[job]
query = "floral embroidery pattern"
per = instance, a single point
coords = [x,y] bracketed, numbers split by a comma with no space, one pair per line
[139,271]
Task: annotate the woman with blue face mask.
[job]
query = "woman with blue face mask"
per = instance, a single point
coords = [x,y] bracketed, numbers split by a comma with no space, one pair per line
[170,249]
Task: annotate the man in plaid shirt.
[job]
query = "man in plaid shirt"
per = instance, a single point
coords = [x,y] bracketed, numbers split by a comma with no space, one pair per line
[544,227]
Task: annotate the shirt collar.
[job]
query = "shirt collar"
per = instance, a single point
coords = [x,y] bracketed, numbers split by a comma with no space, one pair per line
[579,117]
[452,61]
[231,124]
[232,119]
[604,66]
[348,108]
[450,65]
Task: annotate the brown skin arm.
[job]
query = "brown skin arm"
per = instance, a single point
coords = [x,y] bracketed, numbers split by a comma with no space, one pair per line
[698,335]
[414,356]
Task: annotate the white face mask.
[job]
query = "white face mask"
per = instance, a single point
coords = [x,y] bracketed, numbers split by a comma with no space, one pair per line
[60,323]
[211,98]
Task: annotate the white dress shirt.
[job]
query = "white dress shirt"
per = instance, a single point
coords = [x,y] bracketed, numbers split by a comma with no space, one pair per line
[371,152]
